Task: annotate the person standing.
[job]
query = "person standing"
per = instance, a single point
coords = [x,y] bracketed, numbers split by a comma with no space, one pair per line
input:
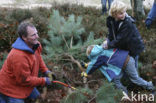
[123,33]
[104,5]
[151,16]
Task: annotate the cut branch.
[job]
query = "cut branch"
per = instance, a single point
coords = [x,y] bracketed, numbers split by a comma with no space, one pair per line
[65,41]
[76,62]
[71,42]
[80,67]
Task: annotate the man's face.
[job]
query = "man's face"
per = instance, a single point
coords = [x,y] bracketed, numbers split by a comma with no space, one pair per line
[120,15]
[32,37]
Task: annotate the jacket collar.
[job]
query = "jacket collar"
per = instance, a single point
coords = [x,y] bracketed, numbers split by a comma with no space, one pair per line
[95,51]
[21,45]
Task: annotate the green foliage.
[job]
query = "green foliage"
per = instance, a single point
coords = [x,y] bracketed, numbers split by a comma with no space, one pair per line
[65,36]
[65,33]
[10,18]
[79,50]
[105,94]
[91,21]
[108,94]
[20,14]
[2,58]
[78,96]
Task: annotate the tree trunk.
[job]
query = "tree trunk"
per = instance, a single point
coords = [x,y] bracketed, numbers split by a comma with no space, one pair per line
[137,9]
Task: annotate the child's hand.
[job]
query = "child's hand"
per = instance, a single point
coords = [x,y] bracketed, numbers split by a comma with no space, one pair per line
[83,64]
[84,74]
[105,45]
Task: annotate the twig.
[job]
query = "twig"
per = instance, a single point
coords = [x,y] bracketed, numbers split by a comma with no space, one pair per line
[71,66]
[65,41]
[71,42]
[75,61]
[92,81]
[91,99]
[80,67]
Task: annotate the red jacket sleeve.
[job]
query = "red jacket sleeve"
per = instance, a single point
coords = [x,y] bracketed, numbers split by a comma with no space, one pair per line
[24,73]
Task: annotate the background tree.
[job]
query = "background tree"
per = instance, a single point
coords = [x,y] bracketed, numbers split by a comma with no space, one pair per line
[137,9]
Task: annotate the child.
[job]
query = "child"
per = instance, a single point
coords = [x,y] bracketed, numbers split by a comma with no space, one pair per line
[123,33]
[113,63]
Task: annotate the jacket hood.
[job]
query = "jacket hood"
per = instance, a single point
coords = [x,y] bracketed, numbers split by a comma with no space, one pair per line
[21,45]
[95,51]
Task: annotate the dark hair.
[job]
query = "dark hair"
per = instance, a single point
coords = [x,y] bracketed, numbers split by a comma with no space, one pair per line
[22,28]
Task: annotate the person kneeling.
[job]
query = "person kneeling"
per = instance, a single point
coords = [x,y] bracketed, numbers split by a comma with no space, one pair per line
[113,63]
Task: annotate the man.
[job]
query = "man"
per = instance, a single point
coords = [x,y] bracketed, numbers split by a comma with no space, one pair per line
[19,73]
[104,5]
[151,16]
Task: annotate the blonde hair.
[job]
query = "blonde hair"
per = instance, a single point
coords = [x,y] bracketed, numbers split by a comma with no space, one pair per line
[117,7]
[89,49]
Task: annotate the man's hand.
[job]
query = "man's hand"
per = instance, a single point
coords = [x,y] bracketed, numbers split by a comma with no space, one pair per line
[51,75]
[48,81]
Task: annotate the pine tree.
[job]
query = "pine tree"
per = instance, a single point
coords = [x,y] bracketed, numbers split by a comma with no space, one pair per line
[79,96]
[65,37]
[108,94]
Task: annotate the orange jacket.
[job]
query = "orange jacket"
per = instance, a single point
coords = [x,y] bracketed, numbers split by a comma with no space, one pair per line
[19,74]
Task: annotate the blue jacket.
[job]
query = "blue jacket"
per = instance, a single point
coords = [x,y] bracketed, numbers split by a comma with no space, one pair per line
[110,62]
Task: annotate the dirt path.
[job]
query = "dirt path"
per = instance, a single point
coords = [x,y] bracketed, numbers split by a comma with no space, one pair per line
[46,3]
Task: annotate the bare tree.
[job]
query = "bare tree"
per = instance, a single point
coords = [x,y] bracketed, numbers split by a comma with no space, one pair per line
[137,9]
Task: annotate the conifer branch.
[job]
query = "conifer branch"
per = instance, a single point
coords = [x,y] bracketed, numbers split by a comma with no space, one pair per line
[91,99]
[65,41]
[71,42]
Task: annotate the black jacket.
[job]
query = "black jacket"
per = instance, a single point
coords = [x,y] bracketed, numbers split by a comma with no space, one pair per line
[126,35]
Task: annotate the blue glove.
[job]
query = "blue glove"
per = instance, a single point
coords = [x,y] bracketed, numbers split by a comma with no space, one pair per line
[148,23]
[48,81]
